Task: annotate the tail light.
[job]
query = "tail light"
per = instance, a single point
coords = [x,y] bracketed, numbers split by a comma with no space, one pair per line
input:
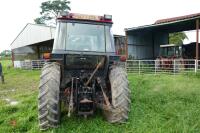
[123,58]
[46,55]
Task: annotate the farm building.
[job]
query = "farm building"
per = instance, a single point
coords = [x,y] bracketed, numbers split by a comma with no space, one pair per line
[31,43]
[144,42]
[34,40]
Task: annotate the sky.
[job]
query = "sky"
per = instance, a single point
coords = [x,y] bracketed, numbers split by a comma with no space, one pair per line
[126,13]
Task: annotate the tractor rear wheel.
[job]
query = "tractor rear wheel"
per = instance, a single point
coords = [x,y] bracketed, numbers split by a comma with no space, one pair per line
[120,93]
[48,98]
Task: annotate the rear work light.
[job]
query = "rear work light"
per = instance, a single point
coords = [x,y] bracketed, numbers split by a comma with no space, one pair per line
[64,13]
[107,17]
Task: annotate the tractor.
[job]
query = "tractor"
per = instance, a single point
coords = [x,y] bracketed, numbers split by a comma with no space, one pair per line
[176,57]
[83,73]
[168,54]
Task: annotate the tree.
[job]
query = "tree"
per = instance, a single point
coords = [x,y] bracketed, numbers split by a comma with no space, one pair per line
[5,53]
[177,38]
[51,10]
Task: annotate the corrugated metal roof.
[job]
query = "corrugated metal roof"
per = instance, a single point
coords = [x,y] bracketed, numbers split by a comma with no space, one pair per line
[33,33]
[168,22]
[177,18]
[140,27]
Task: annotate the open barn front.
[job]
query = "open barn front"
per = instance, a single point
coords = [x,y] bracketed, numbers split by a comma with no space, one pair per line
[144,42]
[33,52]
[149,48]
[31,56]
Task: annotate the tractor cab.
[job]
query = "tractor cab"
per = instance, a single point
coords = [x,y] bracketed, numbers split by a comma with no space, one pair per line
[83,33]
[170,51]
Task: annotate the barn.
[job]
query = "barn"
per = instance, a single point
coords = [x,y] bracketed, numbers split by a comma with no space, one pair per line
[144,42]
[31,43]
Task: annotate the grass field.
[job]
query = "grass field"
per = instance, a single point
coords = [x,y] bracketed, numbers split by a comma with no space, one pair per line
[160,104]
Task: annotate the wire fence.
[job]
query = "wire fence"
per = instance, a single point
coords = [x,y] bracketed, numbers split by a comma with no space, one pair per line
[175,66]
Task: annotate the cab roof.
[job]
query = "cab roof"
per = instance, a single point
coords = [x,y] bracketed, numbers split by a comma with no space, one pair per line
[85,17]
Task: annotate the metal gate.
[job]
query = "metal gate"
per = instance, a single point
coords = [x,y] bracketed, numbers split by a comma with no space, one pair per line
[175,66]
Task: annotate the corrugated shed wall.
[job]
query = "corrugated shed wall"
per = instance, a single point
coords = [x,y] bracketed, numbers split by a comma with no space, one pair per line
[140,45]
[145,45]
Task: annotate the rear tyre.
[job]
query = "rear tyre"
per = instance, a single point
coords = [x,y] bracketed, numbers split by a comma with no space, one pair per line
[120,96]
[48,98]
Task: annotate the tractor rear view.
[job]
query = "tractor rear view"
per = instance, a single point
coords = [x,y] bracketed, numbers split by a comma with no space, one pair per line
[83,73]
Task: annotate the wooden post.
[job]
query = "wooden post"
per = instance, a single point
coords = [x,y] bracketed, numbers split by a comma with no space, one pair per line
[13,57]
[197,39]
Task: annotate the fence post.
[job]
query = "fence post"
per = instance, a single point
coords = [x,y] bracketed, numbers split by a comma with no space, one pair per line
[174,66]
[139,67]
[155,66]
[38,63]
[195,67]
[32,63]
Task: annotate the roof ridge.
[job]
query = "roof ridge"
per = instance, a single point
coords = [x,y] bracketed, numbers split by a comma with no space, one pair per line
[19,33]
[43,25]
[177,18]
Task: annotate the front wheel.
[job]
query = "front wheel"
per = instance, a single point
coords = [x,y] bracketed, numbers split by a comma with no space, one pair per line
[120,96]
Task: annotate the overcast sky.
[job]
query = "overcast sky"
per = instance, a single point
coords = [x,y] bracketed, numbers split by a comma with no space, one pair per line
[126,13]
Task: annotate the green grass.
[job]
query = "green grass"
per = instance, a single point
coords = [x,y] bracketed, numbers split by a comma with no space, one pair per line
[160,104]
